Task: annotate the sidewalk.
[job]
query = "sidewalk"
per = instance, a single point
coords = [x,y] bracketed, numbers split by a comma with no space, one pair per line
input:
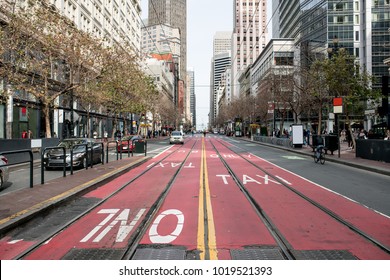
[21,205]
[347,157]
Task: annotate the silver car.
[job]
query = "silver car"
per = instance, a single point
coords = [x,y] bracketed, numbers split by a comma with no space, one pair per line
[176,137]
[55,158]
[4,173]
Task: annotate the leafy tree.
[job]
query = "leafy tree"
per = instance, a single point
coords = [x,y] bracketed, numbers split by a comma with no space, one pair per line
[46,56]
[347,79]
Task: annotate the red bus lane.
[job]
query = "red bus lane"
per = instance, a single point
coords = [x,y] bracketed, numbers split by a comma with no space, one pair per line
[176,222]
[108,228]
[374,224]
[237,226]
[303,225]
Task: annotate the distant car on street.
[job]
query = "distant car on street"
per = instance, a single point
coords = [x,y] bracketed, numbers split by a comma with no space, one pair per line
[176,137]
[55,158]
[4,173]
[124,145]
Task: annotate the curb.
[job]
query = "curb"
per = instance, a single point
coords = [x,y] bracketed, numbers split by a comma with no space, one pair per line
[16,219]
[335,160]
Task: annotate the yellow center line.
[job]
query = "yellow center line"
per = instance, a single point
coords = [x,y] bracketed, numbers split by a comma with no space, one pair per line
[208,250]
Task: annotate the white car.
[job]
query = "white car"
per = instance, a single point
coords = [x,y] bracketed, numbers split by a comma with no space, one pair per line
[4,174]
[176,137]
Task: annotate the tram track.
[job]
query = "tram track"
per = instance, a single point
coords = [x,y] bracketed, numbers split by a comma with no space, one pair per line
[142,225]
[184,205]
[281,240]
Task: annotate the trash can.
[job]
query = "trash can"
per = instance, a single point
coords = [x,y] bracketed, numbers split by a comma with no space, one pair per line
[139,147]
[331,143]
[317,140]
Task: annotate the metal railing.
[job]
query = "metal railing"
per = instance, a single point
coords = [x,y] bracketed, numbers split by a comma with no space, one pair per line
[31,161]
[43,161]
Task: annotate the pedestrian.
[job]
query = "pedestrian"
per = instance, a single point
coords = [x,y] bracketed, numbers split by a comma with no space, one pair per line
[348,136]
[95,134]
[362,134]
[24,134]
[105,136]
[387,137]
[118,135]
[30,134]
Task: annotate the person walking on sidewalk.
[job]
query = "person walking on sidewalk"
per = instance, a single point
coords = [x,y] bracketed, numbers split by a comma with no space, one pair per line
[349,138]
[387,136]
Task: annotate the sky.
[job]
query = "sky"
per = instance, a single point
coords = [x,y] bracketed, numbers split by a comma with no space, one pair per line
[204,19]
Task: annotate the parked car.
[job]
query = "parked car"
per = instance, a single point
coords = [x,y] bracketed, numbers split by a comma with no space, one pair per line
[55,159]
[124,143]
[176,137]
[4,173]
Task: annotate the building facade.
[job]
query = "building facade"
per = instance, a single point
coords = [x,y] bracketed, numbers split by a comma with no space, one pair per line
[174,14]
[191,86]
[222,44]
[221,62]
[250,36]
[160,38]
[360,27]
[116,21]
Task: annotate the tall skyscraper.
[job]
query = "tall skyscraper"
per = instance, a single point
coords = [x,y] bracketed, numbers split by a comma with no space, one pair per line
[221,61]
[173,13]
[220,64]
[222,42]
[361,27]
[250,35]
[191,86]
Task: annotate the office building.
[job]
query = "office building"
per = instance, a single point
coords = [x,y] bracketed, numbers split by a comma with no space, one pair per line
[173,13]
[250,36]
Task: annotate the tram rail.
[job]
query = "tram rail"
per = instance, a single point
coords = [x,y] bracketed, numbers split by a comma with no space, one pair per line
[143,225]
[209,225]
[281,240]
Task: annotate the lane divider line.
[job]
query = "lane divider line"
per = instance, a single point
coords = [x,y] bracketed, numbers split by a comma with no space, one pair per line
[207,244]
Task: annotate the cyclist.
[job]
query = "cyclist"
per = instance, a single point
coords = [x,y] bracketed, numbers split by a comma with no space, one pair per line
[319,154]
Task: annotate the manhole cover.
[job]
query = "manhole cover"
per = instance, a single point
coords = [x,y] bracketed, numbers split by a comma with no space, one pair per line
[94,254]
[159,254]
[323,255]
[257,254]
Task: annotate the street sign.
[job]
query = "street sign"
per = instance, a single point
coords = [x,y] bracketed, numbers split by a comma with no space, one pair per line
[271,107]
[337,105]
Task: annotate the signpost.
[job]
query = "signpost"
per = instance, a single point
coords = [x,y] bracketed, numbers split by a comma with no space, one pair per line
[337,109]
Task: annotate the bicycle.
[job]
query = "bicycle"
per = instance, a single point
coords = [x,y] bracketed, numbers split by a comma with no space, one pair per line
[319,155]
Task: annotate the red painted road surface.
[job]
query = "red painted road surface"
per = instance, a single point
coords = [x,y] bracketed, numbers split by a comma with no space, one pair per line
[304,226]
[206,212]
